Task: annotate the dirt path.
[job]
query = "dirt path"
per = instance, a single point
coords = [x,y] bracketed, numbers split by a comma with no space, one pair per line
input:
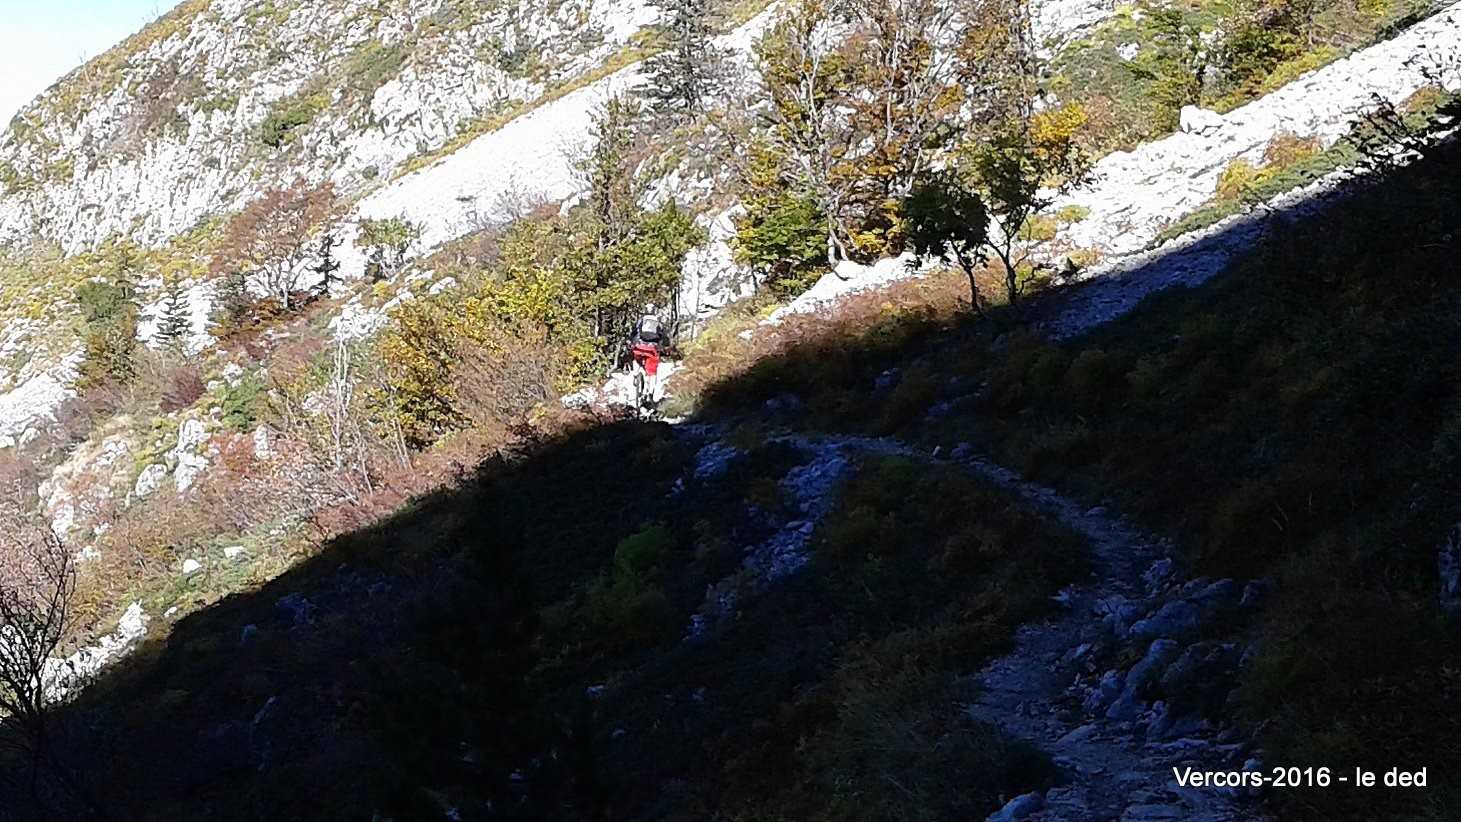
[1031,693]
[1115,747]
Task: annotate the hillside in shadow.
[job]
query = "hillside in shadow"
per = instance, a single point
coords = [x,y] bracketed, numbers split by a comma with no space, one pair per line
[524,644]
[1294,420]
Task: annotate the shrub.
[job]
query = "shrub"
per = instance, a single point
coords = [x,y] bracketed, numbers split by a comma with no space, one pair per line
[1238,181]
[623,612]
[241,403]
[1047,373]
[1094,376]
[372,65]
[784,237]
[1147,377]
[181,386]
[643,552]
[1287,148]
[911,398]
[287,116]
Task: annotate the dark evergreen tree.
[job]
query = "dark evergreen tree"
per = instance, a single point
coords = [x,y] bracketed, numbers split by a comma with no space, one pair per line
[684,75]
[328,265]
[176,322]
[234,300]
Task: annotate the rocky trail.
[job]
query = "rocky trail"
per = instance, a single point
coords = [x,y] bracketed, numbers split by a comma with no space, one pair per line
[1116,731]
[1116,749]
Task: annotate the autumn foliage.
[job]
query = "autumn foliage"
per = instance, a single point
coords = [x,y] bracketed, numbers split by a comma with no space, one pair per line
[265,249]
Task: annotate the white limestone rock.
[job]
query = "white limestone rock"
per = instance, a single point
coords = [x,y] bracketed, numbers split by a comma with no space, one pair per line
[149,480]
[1138,193]
[1195,120]
[188,463]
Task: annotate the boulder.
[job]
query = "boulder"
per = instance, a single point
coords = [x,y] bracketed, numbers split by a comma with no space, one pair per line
[191,434]
[1448,565]
[148,481]
[1106,691]
[1158,655]
[1224,590]
[1175,619]
[1126,708]
[190,466]
[1199,121]
[1160,570]
[191,566]
[1021,807]
[1254,593]
[299,609]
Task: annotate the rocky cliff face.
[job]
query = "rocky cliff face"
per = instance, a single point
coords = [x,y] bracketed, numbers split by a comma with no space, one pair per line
[199,112]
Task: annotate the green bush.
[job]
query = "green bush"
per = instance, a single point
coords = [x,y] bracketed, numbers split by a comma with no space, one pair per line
[241,403]
[643,552]
[103,303]
[785,237]
[288,116]
[1095,375]
[916,392]
[1046,376]
[1147,377]
[622,612]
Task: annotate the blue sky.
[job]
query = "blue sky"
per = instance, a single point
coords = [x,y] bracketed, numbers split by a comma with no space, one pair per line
[40,40]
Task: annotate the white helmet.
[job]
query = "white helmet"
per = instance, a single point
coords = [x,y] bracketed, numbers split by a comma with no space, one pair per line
[649,308]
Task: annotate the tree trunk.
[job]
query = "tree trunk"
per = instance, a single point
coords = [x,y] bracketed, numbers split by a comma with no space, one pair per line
[968,266]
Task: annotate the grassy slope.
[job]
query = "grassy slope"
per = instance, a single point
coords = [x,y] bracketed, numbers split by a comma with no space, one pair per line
[1297,419]
[455,644]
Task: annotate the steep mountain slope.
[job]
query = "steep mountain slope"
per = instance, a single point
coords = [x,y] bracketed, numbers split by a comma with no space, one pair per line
[198,113]
[538,635]
[799,606]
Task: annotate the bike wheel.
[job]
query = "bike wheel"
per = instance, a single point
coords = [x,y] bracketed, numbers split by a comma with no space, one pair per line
[639,389]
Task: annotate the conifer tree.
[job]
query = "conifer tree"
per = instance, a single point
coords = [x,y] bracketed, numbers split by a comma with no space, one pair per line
[328,265]
[684,74]
[176,322]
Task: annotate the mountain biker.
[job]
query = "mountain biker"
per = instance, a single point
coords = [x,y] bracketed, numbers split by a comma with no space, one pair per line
[644,345]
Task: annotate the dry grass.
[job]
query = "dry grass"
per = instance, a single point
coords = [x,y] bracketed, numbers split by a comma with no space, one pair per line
[878,316]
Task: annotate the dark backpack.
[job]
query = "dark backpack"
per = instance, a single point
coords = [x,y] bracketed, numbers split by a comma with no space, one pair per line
[649,328]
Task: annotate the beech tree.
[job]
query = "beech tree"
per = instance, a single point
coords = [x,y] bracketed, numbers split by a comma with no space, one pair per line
[37,592]
[862,97]
[269,242]
[946,218]
[1020,172]
[1015,158]
[389,244]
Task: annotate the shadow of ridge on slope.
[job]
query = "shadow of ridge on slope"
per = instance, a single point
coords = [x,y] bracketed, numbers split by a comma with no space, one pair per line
[290,671]
[483,649]
[199,722]
[1294,420]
